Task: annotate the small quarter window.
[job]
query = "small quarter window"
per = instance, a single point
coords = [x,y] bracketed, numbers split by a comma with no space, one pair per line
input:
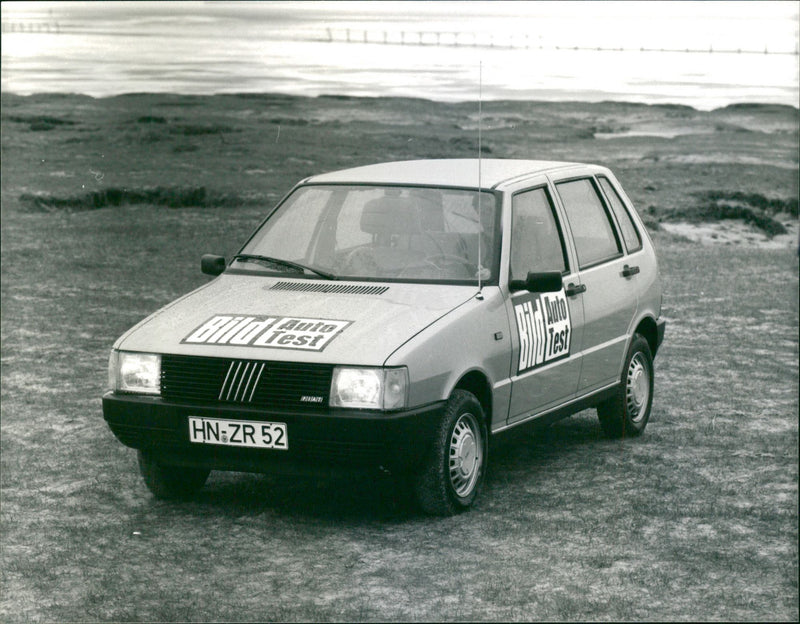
[595,239]
[629,232]
[536,243]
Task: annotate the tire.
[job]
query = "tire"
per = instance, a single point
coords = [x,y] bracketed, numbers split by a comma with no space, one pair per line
[627,413]
[456,463]
[170,482]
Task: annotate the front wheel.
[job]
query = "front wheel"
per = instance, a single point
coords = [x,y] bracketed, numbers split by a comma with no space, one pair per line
[170,482]
[454,469]
[627,413]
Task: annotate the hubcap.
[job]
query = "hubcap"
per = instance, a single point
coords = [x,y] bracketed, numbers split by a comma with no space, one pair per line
[637,387]
[466,455]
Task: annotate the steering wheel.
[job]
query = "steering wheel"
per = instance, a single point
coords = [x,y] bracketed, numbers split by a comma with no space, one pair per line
[436,242]
[361,261]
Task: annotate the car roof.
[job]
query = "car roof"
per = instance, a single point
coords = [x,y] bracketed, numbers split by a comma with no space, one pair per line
[455,172]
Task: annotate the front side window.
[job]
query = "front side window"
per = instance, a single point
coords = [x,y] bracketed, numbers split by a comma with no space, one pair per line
[595,239]
[383,233]
[536,242]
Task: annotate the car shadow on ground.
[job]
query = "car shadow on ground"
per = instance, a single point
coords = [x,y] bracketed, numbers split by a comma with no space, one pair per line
[534,446]
[515,456]
[360,498]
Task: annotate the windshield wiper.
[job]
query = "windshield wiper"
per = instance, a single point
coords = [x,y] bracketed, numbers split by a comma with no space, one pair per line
[284,263]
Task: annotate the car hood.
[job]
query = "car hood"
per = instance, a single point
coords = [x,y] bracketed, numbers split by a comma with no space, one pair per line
[258,317]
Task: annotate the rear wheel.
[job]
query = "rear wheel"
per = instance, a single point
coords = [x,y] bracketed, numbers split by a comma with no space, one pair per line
[627,413]
[456,463]
[170,482]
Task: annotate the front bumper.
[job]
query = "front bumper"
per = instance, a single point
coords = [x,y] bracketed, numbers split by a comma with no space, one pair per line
[318,441]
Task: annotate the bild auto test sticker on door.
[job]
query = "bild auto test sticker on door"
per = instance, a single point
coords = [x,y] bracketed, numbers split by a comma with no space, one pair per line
[277,332]
[545,329]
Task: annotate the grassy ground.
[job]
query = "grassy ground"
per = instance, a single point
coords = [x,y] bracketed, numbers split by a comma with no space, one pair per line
[696,520]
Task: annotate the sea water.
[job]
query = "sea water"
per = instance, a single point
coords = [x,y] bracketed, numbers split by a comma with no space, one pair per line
[544,52]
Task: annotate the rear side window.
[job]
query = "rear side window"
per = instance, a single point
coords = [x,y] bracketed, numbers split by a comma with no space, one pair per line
[629,233]
[536,243]
[595,239]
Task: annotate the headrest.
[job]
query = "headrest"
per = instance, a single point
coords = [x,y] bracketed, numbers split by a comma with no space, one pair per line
[390,215]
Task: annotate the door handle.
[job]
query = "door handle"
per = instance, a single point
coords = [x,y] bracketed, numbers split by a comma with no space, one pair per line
[628,271]
[573,290]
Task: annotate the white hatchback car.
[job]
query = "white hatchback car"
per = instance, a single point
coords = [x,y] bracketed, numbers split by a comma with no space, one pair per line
[394,317]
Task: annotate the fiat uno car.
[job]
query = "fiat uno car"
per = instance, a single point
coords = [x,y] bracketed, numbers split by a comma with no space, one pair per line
[394,317]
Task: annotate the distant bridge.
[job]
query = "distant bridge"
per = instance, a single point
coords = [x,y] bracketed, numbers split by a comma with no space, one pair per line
[442,38]
[513,41]
[30,26]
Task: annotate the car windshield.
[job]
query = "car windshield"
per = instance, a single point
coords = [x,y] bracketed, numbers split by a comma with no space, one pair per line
[381,233]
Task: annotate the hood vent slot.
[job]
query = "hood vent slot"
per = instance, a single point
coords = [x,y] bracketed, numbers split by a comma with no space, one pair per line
[343,289]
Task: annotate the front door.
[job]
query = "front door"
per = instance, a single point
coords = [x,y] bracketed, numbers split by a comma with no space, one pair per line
[547,327]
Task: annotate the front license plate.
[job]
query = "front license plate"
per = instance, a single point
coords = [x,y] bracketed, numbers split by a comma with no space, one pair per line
[267,435]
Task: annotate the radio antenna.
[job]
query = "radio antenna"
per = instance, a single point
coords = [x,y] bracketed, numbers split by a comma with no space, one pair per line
[480,215]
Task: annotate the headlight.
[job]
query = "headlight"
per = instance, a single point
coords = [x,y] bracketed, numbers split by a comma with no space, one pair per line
[138,373]
[371,388]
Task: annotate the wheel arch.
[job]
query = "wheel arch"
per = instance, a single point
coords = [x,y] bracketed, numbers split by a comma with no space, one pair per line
[647,328]
[478,384]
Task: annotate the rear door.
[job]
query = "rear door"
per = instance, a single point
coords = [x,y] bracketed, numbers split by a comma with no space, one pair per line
[609,290]
[546,326]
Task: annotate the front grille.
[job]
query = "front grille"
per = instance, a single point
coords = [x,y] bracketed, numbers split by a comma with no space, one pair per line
[255,383]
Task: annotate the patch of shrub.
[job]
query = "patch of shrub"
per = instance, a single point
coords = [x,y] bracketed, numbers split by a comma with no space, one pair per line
[39,123]
[651,224]
[288,121]
[719,211]
[759,219]
[170,197]
[468,145]
[607,129]
[676,110]
[754,200]
[54,121]
[728,127]
[752,208]
[760,108]
[39,126]
[266,99]
[197,130]
[148,119]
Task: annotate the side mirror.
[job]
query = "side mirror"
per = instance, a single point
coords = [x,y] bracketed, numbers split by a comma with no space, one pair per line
[211,264]
[546,281]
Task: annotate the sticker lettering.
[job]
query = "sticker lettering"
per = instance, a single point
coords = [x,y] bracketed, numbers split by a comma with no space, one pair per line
[277,332]
[544,329]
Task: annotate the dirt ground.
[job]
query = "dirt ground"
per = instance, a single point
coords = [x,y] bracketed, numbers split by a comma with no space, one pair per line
[106,206]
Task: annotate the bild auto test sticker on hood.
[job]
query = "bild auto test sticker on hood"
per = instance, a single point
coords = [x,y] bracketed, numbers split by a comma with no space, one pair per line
[276,332]
[545,329]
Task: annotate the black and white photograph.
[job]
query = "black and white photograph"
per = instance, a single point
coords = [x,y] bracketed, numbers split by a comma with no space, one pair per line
[394,311]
